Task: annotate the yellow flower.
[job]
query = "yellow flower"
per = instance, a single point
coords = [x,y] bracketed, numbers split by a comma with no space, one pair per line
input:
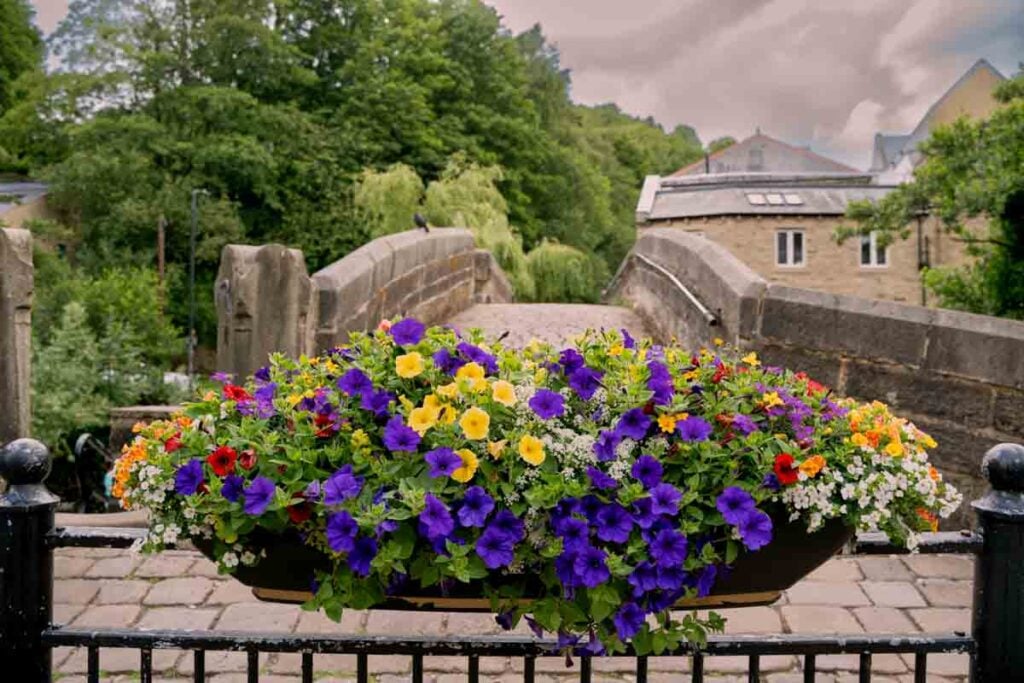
[431,401]
[422,419]
[448,415]
[331,366]
[293,399]
[928,441]
[409,365]
[470,371]
[771,399]
[475,423]
[406,403]
[859,439]
[531,449]
[504,393]
[448,390]
[691,375]
[667,423]
[138,427]
[469,465]
[480,385]
[751,359]
[718,341]
[895,449]
[812,465]
[496,448]
[360,439]
[616,350]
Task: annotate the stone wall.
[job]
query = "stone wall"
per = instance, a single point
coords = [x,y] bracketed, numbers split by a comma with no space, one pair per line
[16,283]
[958,376]
[267,302]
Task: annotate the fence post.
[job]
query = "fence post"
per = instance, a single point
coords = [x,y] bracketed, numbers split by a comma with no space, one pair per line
[26,561]
[998,619]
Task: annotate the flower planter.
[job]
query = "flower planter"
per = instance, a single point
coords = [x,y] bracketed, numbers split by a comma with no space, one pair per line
[285,574]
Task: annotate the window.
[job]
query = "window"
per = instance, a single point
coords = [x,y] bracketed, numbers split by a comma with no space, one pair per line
[793,199]
[775,199]
[872,255]
[789,247]
[756,198]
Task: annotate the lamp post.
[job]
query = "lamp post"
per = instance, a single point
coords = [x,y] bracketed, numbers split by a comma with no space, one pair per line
[192,287]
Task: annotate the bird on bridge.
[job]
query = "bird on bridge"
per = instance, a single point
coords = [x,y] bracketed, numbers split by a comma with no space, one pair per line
[420,222]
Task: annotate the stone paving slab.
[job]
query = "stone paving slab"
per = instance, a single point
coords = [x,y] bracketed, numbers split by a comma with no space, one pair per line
[554,323]
[847,595]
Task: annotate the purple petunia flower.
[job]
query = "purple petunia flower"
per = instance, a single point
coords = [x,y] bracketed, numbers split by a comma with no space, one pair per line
[694,428]
[264,397]
[665,499]
[590,567]
[669,548]
[504,620]
[601,481]
[643,513]
[671,578]
[436,519]
[407,332]
[628,621]
[547,404]
[743,424]
[627,339]
[258,496]
[313,491]
[565,571]
[342,529]
[575,534]
[707,580]
[399,437]
[614,523]
[771,482]
[232,487]
[362,554]
[508,524]
[189,477]
[355,382]
[734,503]
[660,382]
[446,361]
[495,549]
[647,470]
[443,462]
[604,446]
[478,356]
[643,579]
[570,360]
[221,377]
[341,486]
[376,402]
[755,530]
[585,382]
[476,505]
[634,424]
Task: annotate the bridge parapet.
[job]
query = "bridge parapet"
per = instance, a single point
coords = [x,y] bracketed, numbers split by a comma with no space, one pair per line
[957,375]
[267,301]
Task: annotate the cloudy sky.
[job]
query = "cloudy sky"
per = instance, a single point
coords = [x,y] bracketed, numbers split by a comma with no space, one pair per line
[819,72]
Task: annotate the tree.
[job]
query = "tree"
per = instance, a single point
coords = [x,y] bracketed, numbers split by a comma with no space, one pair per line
[718,144]
[21,47]
[972,169]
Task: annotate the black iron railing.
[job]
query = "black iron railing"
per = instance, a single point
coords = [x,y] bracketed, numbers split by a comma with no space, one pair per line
[27,634]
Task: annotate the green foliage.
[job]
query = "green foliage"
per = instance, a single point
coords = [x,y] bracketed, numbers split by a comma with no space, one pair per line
[387,200]
[718,144]
[562,273]
[971,169]
[21,48]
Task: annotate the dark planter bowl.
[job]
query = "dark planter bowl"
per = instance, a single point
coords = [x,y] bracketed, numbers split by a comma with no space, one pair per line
[756,578]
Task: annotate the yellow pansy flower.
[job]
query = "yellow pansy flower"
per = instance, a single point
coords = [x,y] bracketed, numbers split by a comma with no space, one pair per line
[667,423]
[496,448]
[475,423]
[409,365]
[504,393]
[422,419]
[531,449]
[469,465]
[751,359]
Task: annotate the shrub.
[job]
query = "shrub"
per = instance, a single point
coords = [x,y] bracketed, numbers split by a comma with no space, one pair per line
[562,273]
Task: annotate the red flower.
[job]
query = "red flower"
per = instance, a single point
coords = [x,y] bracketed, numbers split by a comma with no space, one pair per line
[247,459]
[815,388]
[222,460]
[720,373]
[784,470]
[300,513]
[172,444]
[326,426]
[233,392]
[649,408]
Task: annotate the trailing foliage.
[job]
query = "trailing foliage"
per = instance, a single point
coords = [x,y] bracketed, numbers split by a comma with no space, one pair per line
[971,169]
[563,273]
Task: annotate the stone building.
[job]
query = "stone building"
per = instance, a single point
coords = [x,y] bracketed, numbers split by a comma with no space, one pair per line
[777,206]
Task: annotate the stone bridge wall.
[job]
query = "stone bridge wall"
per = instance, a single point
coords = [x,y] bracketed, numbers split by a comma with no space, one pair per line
[267,301]
[958,376]
[16,284]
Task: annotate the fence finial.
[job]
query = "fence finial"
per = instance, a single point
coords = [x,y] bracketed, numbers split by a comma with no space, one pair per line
[25,464]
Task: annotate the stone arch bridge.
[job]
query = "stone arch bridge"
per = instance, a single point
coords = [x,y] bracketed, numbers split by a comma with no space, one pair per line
[957,375]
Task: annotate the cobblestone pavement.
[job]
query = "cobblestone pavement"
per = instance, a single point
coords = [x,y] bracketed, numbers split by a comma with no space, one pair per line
[182,590]
[553,323]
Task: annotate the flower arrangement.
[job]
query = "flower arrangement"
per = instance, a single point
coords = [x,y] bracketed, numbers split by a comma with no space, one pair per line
[618,475]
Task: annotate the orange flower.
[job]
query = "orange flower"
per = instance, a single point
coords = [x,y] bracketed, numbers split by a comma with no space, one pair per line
[934,474]
[933,521]
[812,465]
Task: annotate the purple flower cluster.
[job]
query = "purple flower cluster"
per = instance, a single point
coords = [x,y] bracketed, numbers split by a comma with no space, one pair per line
[583,380]
[341,486]
[407,332]
[343,537]
[660,382]
[739,510]
[496,545]
[547,404]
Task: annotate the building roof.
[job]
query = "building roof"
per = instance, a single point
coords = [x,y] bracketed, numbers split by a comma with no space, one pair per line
[14,194]
[754,194]
[762,153]
[970,95]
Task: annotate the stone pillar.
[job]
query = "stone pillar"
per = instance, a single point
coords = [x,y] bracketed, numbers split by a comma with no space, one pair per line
[16,281]
[264,305]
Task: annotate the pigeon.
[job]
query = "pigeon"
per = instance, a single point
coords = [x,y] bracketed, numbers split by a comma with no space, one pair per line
[420,222]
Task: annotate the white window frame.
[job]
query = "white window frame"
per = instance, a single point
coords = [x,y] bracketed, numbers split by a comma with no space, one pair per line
[872,252]
[789,232]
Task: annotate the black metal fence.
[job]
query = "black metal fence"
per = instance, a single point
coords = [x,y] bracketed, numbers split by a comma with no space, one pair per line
[27,635]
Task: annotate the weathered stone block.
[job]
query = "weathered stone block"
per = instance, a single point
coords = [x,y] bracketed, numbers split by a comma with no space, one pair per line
[16,284]
[1008,412]
[977,346]
[822,367]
